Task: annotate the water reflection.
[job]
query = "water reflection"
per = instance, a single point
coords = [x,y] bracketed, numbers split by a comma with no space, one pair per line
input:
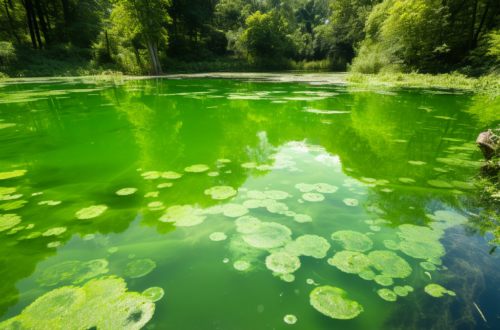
[82,147]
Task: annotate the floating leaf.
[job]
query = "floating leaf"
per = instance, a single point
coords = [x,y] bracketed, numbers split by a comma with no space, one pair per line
[221,192]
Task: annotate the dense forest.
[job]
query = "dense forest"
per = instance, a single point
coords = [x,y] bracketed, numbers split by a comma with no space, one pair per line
[77,37]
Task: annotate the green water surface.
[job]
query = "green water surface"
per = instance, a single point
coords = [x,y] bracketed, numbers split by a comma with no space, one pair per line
[396,156]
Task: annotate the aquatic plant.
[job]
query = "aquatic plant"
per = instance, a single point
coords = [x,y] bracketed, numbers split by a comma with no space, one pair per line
[353,240]
[400,291]
[427,266]
[383,280]
[139,268]
[391,244]
[333,302]
[268,235]
[288,277]
[241,265]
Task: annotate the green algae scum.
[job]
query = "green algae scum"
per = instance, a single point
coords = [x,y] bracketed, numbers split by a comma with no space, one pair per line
[252,203]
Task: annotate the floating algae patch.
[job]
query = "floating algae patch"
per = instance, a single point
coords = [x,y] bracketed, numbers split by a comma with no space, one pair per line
[197,168]
[234,210]
[353,240]
[12,205]
[221,192]
[408,288]
[400,291]
[100,304]
[302,218]
[383,280]
[171,175]
[7,125]
[325,188]
[55,231]
[390,264]
[91,212]
[313,197]
[249,165]
[247,224]
[276,194]
[72,272]
[126,191]
[387,294]
[463,185]
[164,185]
[182,216]
[277,208]
[268,235]
[439,184]
[13,174]
[437,291]
[6,191]
[308,245]
[218,236]
[288,277]
[54,244]
[241,265]
[282,262]
[375,228]
[154,294]
[416,162]
[390,244]
[304,187]
[10,197]
[367,274]
[422,247]
[350,201]
[459,162]
[427,266]
[406,180]
[290,319]
[139,268]
[350,262]
[252,203]
[213,173]
[333,302]
[8,221]
[449,218]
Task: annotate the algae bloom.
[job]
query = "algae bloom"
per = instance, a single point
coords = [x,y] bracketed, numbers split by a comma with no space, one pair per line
[170,175]
[333,302]
[72,272]
[8,221]
[197,168]
[55,231]
[353,240]
[387,294]
[241,265]
[437,291]
[154,294]
[282,262]
[126,191]
[313,197]
[139,268]
[390,264]
[13,174]
[221,192]
[290,319]
[218,236]
[350,262]
[308,245]
[350,201]
[91,212]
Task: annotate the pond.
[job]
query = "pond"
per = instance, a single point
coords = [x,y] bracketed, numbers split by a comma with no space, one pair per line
[250,203]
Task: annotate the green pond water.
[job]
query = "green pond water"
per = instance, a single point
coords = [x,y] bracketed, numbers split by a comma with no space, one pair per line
[249,201]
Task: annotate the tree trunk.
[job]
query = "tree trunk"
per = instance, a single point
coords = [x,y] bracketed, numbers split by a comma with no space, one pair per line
[153,53]
[476,36]
[30,23]
[13,30]
[65,6]
[473,24]
[35,23]
[39,11]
